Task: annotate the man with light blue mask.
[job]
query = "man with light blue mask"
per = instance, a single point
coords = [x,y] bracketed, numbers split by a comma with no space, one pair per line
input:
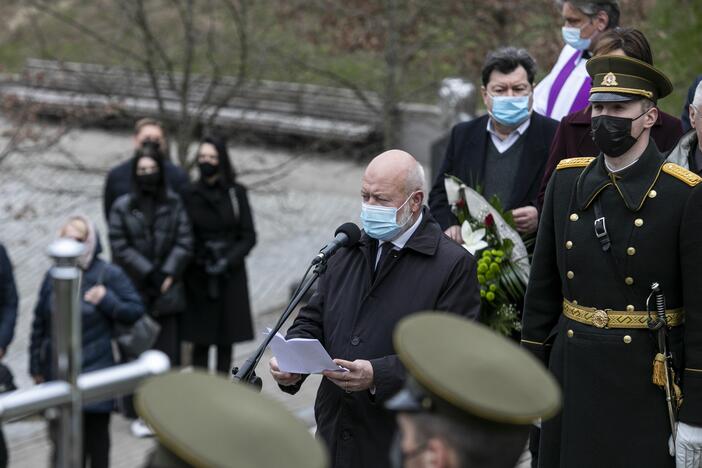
[504,152]
[566,88]
[402,264]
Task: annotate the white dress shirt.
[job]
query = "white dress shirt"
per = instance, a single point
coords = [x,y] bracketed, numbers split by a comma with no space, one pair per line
[504,145]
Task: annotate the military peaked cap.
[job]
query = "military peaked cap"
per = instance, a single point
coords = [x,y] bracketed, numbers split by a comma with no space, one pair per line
[459,368]
[617,78]
[205,420]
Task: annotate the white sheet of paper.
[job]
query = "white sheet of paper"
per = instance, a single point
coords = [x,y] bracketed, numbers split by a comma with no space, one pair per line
[302,355]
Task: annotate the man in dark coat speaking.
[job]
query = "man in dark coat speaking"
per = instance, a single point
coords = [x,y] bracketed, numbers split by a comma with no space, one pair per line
[402,264]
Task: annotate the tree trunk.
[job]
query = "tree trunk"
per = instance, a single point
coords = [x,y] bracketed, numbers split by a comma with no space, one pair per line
[390,95]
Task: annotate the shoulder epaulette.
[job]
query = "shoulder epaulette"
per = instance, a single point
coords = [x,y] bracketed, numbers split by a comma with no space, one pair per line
[573,162]
[679,172]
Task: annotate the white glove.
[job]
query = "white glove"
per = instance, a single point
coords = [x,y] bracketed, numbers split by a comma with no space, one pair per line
[688,446]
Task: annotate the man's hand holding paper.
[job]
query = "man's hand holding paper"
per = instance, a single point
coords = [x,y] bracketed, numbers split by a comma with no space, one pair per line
[359,376]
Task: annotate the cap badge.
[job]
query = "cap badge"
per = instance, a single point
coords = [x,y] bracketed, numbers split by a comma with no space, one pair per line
[610,79]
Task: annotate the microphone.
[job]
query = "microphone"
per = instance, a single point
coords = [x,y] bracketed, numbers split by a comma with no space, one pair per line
[346,235]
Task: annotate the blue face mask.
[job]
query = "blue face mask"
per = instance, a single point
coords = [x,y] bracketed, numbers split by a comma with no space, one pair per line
[380,222]
[510,111]
[571,36]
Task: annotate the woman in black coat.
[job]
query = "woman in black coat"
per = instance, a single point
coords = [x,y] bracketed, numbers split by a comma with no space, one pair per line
[216,283]
[151,239]
[107,296]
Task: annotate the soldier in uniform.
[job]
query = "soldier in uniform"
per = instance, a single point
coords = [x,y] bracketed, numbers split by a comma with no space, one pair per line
[611,226]
[470,397]
[206,421]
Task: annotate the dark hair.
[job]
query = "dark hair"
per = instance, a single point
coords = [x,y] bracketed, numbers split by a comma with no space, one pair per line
[506,60]
[591,8]
[148,151]
[475,442]
[632,41]
[226,169]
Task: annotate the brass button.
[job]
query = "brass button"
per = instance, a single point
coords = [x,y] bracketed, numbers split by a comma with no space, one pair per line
[570,275]
[570,333]
[575,302]
[629,280]
[574,217]
[652,194]
[627,339]
[631,251]
[638,222]
[630,308]
[569,245]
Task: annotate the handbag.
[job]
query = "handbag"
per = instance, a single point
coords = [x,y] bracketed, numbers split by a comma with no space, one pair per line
[132,339]
[171,302]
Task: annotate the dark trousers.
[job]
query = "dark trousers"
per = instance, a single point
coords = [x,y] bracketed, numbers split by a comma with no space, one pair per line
[168,340]
[224,357]
[96,439]
[3,451]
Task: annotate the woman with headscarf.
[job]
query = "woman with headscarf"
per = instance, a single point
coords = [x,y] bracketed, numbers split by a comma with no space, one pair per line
[107,296]
[216,283]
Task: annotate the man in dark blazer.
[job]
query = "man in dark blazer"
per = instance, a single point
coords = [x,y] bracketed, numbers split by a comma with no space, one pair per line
[403,264]
[119,179]
[502,153]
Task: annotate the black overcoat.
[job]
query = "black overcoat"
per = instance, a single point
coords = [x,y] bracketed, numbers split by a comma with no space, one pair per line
[465,159]
[613,415]
[354,319]
[226,319]
[139,249]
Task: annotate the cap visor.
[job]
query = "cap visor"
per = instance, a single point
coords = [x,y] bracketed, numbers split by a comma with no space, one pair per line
[403,401]
[612,97]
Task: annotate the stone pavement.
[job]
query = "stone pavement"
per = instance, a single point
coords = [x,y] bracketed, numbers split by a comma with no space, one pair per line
[294,217]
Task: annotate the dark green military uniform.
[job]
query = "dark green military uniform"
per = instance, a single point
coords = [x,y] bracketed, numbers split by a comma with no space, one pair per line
[583,308]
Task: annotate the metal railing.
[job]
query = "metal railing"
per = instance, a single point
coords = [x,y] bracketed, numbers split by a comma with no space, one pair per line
[71,389]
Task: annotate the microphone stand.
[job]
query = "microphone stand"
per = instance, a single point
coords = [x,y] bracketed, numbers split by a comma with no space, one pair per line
[246,373]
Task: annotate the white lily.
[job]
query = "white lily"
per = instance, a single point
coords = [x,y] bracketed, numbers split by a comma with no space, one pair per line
[453,190]
[472,240]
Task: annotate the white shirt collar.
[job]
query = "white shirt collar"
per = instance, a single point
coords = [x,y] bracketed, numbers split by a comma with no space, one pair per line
[402,239]
[621,168]
[521,129]
[504,145]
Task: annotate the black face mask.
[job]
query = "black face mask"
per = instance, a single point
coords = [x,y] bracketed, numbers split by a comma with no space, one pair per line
[207,170]
[612,135]
[149,182]
[152,149]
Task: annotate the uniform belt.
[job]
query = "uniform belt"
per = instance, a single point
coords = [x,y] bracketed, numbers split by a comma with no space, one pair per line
[608,318]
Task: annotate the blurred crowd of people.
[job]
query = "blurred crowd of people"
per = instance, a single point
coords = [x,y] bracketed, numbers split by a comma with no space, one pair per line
[178,246]
[178,250]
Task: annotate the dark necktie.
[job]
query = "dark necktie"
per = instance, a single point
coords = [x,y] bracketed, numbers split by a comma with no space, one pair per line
[384,253]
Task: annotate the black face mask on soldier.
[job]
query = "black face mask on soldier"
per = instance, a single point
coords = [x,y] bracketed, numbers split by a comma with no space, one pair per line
[612,135]
[149,182]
